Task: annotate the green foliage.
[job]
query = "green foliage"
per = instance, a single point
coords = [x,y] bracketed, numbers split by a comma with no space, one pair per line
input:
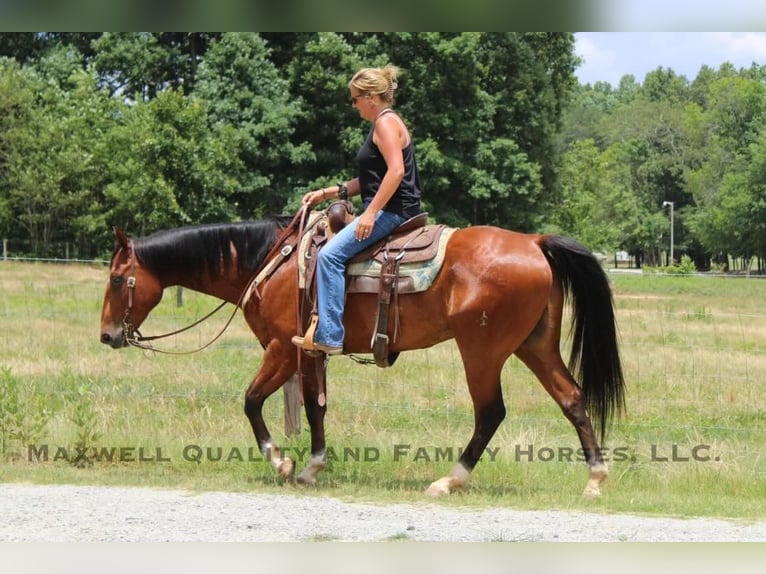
[141,65]
[504,185]
[685,267]
[697,145]
[168,168]
[24,414]
[318,73]
[85,419]
[151,130]
[664,85]
[599,205]
[696,343]
[156,129]
[729,181]
[246,94]
[483,109]
[52,126]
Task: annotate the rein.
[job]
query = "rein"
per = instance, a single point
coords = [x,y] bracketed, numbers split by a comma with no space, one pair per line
[133,336]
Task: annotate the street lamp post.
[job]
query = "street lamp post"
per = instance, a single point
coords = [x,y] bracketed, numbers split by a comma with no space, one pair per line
[666,204]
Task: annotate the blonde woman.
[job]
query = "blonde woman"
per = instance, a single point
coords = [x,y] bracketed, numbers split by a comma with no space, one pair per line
[389,186]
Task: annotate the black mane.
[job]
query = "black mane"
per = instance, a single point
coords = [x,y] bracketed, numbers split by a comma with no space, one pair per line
[186,248]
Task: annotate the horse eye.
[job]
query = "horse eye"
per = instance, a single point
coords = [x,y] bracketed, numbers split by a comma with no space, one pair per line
[117,280]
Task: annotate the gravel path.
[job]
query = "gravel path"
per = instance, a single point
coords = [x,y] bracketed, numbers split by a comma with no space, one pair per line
[33,513]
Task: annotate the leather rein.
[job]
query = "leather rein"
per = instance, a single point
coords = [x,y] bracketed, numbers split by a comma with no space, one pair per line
[133,336]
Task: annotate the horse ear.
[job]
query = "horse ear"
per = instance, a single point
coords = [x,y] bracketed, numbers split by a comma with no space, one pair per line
[122,239]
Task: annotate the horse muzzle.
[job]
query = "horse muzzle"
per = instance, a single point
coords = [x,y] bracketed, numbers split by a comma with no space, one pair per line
[115,339]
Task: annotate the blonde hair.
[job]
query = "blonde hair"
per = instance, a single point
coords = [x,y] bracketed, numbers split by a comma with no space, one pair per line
[377,82]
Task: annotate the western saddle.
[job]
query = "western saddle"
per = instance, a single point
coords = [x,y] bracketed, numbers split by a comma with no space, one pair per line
[412,242]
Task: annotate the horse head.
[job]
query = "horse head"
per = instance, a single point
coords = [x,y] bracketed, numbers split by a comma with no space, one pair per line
[132,291]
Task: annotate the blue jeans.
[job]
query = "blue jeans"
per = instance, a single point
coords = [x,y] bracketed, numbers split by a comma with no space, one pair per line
[331,278]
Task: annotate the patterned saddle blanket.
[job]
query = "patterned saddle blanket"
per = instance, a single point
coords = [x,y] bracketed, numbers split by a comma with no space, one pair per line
[421,252]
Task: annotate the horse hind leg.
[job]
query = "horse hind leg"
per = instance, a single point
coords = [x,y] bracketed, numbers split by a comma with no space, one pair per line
[547,364]
[314,385]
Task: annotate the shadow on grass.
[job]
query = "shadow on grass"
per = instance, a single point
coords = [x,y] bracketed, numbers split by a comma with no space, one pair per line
[406,488]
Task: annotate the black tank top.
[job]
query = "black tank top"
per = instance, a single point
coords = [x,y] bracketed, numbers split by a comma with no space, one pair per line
[372,168]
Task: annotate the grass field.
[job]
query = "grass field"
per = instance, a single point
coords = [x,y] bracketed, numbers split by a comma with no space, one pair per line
[691,443]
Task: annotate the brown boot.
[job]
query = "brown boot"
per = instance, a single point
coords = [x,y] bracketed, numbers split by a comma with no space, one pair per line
[318,347]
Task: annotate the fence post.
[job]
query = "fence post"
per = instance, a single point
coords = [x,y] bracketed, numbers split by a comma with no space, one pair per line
[292,396]
[179,296]
[5,248]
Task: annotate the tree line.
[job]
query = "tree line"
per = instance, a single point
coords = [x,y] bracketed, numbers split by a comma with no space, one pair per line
[154,130]
[630,150]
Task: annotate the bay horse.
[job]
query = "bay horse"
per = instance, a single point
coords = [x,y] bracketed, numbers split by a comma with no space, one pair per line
[498,293]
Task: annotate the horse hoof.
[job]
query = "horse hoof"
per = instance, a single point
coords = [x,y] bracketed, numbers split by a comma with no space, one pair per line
[286,469]
[306,480]
[598,474]
[591,492]
[308,476]
[438,488]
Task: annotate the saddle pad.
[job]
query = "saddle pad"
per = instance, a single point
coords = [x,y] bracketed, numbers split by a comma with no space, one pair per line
[414,277]
[314,218]
[364,276]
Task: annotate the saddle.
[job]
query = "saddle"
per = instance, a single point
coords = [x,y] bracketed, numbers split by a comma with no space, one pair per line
[375,270]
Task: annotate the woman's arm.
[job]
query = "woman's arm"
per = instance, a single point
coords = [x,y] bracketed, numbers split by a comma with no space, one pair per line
[319,195]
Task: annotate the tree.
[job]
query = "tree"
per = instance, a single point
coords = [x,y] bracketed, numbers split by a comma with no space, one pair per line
[585,115]
[244,91]
[734,218]
[167,167]
[149,130]
[483,109]
[726,178]
[585,186]
[21,46]
[140,65]
[52,119]
[664,85]
[599,205]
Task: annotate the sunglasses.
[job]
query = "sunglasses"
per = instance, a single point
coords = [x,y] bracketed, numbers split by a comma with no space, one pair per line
[355,98]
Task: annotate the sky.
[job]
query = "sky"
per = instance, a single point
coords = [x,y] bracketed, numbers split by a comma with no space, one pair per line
[610,55]
[672,15]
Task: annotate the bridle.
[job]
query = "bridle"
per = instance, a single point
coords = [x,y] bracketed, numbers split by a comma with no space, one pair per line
[133,337]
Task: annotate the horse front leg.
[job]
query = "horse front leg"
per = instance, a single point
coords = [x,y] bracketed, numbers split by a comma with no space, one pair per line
[314,385]
[278,365]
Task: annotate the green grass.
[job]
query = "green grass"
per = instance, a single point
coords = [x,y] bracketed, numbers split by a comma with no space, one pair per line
[694,353]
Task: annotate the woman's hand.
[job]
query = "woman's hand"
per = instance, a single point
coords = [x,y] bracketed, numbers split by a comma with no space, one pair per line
[314,197]
[365,225]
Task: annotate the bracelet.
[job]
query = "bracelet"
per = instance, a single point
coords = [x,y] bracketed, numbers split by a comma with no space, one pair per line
[342,191]
[324,194]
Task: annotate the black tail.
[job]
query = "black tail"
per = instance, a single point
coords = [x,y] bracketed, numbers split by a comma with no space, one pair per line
[595,359]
